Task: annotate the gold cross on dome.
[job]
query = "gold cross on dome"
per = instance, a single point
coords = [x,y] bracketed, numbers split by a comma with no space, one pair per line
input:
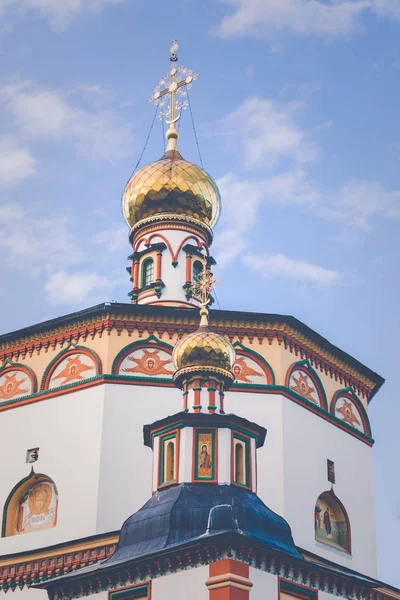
[202,287]
[173,87]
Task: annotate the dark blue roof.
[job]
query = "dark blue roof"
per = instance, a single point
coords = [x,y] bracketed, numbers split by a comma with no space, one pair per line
[188,512]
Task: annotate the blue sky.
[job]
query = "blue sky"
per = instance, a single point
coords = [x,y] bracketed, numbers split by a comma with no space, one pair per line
[296,112]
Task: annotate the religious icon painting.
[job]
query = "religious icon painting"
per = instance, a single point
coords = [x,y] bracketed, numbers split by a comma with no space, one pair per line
[15,383]
[73,368]
[151,362]
[38,508]
[246,370]
[301,383]
[347,411]
[330,522]
[204,456]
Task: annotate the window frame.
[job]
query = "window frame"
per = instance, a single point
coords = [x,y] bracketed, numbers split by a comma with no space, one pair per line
[195,277]
[149,260]
[247,460]
[162,457]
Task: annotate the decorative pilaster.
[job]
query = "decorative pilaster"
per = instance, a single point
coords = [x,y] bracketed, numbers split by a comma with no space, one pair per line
[229,580]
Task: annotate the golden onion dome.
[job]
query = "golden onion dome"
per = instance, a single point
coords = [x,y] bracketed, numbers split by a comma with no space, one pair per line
[171,186]
[204,349]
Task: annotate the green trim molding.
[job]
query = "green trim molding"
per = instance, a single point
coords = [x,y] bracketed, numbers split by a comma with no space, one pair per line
[8,364]
[152,341]
[350,394]
[130,593]
[145,262]
[293,589]
[246,441]
[197,477]
[167,382]
[161,467]
[264,364]
[70,349]
[307,368]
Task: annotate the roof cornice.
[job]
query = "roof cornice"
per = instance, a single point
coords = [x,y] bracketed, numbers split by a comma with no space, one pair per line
[300,338]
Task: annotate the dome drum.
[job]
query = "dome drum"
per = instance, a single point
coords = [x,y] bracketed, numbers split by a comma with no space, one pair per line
[169,221]
[202,375]
[204,363]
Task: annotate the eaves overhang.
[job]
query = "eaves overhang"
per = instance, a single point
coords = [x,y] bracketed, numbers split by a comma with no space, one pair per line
[188,319]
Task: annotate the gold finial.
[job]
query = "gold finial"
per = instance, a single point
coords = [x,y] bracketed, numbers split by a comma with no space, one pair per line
[173,87]
[201,290]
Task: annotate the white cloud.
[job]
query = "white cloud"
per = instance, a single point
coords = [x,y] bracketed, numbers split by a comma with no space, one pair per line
[265,132]
[279,265]
[60,13]
[357,205]
[302,17]
[16,162]
[113,239]
[75,288]
[45,242]
[243,198]
[319,18]
[46,114]
[387,8]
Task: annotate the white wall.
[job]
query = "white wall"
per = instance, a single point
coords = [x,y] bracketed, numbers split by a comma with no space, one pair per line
[265,410]
[292,473]
[265,585]
[308,442]
[67,430]
[126,464]
[91,444]
[182,584]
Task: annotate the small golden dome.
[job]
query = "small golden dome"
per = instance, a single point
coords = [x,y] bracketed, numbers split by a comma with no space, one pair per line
[171,186]
[204,348]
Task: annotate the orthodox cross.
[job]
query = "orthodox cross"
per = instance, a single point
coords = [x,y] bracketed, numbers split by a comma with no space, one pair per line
[201,288]
[176,83]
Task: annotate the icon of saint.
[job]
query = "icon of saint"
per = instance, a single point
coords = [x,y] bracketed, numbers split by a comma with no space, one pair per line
[205,458]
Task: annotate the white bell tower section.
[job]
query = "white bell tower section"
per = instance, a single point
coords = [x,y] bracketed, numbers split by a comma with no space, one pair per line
[170,206]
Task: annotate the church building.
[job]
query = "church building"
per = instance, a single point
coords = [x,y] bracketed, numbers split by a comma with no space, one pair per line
[162,449]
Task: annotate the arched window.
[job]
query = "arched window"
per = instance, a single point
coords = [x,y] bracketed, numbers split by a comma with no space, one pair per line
[170,463]
[241,460]
[147,272]
[239,464]
[197,269]
[331,523]
[168,459]
[31,506]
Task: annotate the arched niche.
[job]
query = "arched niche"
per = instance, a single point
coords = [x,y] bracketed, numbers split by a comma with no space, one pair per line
[251,368]
[304,381]
[347,407]
[16,381]
[331,523]
[73,365]
[32,505]
[145,358]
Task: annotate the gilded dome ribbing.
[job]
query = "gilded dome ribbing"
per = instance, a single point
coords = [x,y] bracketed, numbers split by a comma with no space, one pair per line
[204,348]
[171,186]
